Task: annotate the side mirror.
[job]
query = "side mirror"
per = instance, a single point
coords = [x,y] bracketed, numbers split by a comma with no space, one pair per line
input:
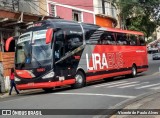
[49,35]
[8,43]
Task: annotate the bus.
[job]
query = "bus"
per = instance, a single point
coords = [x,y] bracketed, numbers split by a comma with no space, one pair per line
[56,52]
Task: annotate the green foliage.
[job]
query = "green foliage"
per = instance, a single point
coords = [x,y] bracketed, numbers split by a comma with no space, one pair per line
[149,40]
[138,16]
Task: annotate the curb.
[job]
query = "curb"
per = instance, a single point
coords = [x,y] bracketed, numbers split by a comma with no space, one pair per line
[123,104]
[5,95]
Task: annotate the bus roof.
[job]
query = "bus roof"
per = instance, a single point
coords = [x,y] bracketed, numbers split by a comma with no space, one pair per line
[94,25]
[124,31]
[62,21]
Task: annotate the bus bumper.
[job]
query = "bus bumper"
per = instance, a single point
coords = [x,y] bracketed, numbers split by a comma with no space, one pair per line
[45,84]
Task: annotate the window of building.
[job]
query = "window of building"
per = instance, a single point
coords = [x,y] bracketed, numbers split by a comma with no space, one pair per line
[52,10]
[107,8]
[76,16]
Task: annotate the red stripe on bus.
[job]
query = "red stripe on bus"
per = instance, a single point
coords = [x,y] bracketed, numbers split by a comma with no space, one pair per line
[98,77]
[141,70]
[45,84]
[124,31]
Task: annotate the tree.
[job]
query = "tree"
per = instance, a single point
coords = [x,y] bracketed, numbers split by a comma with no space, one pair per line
[140,15]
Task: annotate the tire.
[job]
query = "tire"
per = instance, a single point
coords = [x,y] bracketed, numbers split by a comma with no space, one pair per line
[80,80]
[134,71]
[48,89]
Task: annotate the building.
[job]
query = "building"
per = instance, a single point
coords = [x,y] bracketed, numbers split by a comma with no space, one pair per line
[14,18]
[80,11]
[100,12]
[105,13]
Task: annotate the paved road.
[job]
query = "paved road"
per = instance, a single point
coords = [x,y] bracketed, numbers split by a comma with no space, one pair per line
[99,95]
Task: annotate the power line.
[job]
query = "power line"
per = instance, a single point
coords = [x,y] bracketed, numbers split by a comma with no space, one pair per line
[41,8]
[33,7]
[131,3]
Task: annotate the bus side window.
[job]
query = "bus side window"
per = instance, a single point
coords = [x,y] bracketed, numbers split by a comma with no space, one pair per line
[128,40]
[133,40]
[107,38]
[95,37]
[142,40]
[137,40]
[121,39]
[88,34]
[74,40]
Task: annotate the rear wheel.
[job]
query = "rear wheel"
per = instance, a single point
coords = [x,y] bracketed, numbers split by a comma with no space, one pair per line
[134,71]
[80,80]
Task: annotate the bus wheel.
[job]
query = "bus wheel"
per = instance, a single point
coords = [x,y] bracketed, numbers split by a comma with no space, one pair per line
[134,71]
[48,89]
[80,80]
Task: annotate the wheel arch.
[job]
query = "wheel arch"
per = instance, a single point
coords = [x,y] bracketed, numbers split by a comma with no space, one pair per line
[81,70]
[134,64]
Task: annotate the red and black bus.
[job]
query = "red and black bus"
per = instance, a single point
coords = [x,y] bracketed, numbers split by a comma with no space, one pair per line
[56,52]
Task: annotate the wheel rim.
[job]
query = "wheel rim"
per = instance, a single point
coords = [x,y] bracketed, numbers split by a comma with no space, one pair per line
[79,79]
[134,71]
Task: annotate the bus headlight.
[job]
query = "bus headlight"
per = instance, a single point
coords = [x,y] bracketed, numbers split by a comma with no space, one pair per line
[17,79]
[49,75]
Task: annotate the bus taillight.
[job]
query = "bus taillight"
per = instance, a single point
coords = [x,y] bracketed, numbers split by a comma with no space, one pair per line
[8,43]
[49,35]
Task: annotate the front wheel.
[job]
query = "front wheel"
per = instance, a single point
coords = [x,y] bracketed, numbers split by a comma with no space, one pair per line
[80,80]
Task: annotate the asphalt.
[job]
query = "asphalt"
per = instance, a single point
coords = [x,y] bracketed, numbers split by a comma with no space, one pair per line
[143,104]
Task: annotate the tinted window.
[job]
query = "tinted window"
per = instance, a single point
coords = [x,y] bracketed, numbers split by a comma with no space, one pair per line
[121,39]
[73,39]
[93,36]
[133,39]
[107,38]
[142,40]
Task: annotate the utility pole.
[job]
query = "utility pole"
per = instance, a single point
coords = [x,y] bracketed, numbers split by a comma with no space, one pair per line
[13,5]
[18,4]
[103,6]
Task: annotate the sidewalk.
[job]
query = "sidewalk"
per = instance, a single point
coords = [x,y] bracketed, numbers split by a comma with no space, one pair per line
[148,101]
[4,95]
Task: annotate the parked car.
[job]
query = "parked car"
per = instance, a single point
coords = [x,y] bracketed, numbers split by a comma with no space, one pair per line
[156,56]
[152,50]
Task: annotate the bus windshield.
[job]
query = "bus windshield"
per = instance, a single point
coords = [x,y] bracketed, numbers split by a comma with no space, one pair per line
[32,51]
